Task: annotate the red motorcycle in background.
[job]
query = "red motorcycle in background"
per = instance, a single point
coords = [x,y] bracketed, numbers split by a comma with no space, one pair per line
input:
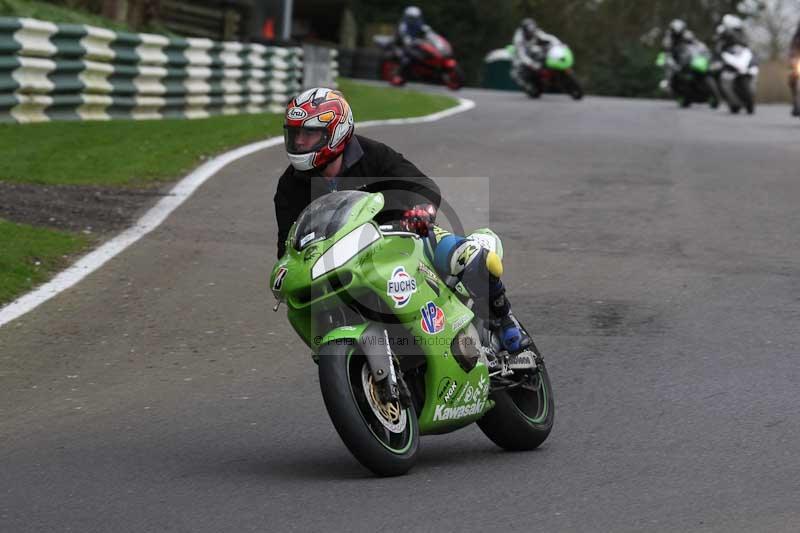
[433,62]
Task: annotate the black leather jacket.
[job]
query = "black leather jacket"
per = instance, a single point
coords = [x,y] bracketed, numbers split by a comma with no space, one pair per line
[368,165]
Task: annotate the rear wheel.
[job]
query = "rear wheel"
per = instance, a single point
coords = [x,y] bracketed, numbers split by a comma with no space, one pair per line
[522,417]
[384,437]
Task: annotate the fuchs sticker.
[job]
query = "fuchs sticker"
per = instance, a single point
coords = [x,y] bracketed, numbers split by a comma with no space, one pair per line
[432,321]
[279,276]
[400,287]
[296,113]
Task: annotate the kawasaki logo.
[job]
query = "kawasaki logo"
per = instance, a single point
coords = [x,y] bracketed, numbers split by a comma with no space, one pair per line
[454,413]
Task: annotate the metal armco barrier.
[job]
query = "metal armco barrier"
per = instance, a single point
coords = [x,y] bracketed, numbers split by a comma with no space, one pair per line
[75,72]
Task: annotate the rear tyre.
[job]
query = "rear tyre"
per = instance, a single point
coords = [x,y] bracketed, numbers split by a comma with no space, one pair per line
[382,437]
[521,418]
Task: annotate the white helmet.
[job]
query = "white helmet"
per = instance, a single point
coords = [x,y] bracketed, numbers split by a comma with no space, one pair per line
[412,12]
[732,23]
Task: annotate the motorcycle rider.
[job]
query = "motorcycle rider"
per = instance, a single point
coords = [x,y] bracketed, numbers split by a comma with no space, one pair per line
[676,37]
[730,32]
[530,47]
[410,30]
[326,156]
[794,58]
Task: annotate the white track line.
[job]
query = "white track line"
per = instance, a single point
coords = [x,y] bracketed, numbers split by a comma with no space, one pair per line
[159,212]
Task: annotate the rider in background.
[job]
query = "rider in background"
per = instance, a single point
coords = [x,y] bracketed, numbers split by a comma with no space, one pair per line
[530,47]
[794,57]
[730,32]
[410,30]
[676,37]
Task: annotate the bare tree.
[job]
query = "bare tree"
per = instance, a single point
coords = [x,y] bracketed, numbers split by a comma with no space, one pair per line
[771,28]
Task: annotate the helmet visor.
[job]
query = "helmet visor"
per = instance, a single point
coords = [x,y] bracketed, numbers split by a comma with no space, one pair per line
[300,140]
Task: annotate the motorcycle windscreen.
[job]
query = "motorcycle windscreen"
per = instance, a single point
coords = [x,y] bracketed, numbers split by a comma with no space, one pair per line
[325,216]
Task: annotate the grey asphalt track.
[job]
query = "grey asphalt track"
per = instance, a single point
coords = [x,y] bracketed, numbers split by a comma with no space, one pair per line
[652,251]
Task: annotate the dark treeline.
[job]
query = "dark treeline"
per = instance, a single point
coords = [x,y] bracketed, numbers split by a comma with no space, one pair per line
[615,41]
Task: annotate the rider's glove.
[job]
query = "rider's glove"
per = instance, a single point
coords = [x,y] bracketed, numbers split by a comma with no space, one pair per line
[419,219]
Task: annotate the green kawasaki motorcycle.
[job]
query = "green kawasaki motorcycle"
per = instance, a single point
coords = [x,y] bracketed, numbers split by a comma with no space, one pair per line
[399,350]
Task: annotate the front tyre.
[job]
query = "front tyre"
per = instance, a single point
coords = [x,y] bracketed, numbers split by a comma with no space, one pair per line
[746,94]
[382,437]
[572,86]
[522,417]
[453,78]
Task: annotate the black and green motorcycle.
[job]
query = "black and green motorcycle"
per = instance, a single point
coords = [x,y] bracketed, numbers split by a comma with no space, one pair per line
[399,349]
[690,78]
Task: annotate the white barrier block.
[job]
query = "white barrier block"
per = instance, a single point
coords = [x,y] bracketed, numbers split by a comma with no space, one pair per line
[94,107]
[32,73]
[98,43]
[31,108]
[95,77]
[151,50]
[34,37]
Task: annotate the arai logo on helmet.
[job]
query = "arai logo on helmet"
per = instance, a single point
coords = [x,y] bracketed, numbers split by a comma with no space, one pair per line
[296,113]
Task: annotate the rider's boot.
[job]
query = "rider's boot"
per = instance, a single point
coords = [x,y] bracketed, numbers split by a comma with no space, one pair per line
[512,335]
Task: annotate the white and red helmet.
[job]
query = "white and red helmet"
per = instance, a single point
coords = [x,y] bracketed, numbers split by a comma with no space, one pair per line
[323,110]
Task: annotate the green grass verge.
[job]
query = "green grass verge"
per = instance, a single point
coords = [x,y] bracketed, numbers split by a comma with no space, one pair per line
[54,13]
[135,153]
[29,256]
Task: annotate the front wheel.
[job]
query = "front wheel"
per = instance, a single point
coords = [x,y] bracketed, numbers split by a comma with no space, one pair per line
[384,437]
[522,417]
[453,78]
[746,94]
[572,86]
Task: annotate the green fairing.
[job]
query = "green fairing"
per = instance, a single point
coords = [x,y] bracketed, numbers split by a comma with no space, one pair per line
[661,60]
[454,398]
[700,63]
[561,61]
